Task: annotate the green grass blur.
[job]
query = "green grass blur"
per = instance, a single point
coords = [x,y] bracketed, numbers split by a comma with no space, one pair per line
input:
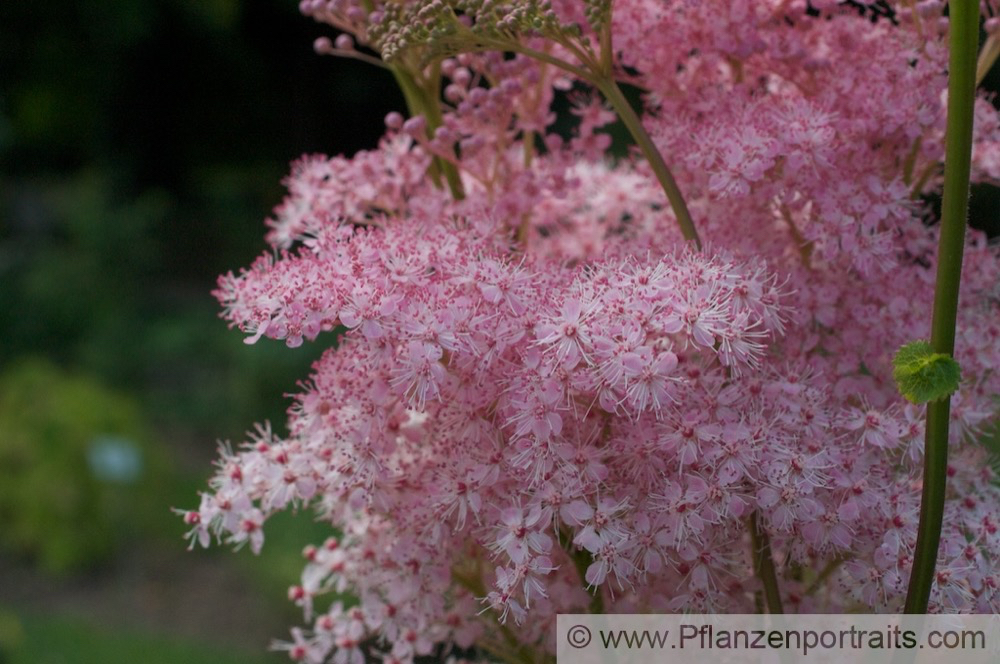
[54,640]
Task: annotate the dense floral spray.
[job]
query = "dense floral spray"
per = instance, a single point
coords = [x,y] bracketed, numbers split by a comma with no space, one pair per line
[561,382]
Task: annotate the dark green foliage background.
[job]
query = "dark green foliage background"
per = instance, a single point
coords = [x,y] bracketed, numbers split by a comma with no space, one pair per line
[142,144]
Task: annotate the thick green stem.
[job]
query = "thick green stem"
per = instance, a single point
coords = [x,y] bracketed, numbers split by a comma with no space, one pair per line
[432,111]
[609,88]
[420,102]
[964,39]
[763,564]
[417,103]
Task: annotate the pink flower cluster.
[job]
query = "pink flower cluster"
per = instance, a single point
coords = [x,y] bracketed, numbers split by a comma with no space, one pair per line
[540,401]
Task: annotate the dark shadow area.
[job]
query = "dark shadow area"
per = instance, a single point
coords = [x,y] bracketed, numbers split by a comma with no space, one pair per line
[142,145]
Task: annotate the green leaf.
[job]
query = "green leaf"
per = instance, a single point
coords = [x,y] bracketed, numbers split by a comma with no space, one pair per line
[923,375]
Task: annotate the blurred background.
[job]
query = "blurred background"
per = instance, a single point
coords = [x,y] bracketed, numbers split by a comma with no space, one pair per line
[142,145]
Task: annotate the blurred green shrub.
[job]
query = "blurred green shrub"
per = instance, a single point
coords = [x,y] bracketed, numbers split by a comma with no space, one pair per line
[11,633]
[77,472]
[89,279]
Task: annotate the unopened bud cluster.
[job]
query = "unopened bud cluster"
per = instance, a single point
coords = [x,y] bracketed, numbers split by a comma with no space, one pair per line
[447,26]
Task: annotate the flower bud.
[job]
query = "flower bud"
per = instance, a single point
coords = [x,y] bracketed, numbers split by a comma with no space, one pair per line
[394,120]
[344,43]
[415,126]
[323,46]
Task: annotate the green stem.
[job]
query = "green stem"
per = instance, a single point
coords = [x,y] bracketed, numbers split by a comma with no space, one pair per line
[964,40]
[432,111]
[417,104]
[918,187]
[420,102]
[607,50]
[414,107]
[609,88]
[606,83]
[825,574]
[988,57]
[763,564]
[911,160]
[541,56]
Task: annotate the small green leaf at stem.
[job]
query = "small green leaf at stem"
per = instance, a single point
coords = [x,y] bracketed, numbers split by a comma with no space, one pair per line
[923,375]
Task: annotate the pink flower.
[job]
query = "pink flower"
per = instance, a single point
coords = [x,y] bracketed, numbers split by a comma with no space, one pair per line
[567,333]
[516,536]
[420,373]
[877,428]
[537,392]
